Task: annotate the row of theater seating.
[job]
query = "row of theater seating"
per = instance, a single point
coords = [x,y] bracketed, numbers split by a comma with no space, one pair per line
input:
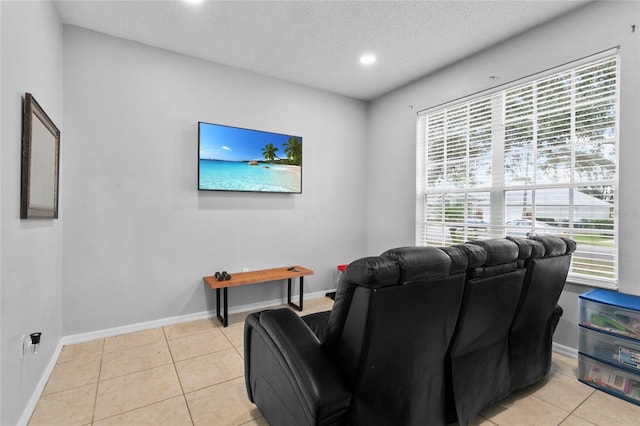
[416,336]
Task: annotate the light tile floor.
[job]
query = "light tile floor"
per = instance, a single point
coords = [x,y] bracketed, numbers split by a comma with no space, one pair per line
[192,374]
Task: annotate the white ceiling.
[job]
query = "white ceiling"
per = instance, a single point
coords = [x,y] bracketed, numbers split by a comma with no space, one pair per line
[318,43]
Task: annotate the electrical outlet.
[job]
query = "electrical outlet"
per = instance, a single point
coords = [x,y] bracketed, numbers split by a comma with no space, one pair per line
[245,269]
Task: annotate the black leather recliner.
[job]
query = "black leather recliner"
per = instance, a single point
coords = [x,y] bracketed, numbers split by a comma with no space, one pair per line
[531,335]
[416,336]
[380,361]
[478,361]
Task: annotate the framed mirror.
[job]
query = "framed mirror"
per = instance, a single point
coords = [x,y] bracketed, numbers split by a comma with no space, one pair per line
[40,163]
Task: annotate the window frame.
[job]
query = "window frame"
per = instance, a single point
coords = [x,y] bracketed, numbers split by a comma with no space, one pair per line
[497,188]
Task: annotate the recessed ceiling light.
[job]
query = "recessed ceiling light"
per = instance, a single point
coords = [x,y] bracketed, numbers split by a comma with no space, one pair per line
[193,1]
[367,59]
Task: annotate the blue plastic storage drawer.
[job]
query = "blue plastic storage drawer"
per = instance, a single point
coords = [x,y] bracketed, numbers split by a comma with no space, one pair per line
[612,312]
[616,381]
[609,348]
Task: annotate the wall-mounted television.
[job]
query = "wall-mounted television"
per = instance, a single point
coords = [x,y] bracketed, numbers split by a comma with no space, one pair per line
[237,159]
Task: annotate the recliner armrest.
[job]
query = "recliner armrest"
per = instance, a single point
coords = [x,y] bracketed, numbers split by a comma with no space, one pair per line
[317,322]
[289,375]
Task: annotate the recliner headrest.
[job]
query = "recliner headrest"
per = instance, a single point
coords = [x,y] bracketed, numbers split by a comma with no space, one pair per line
[525,247]
[476,255]
[499,250]
[529,249]
[571,245]
[372,272]
[538,249]
[555,246]
[500,256]
[459,260]
[421,263]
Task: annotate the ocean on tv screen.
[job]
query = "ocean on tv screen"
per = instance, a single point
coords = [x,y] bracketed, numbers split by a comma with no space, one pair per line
[254,176]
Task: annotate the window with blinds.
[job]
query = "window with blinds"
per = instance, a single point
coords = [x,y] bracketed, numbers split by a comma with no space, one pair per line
[535,158]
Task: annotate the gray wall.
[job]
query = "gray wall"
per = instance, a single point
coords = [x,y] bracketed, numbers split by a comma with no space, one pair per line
[31,251]
[139,237]
[391,172]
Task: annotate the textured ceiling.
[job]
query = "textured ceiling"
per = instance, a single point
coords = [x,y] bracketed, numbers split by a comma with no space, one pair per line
[318,43]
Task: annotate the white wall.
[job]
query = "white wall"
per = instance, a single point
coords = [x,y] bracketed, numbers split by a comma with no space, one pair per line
[391,171]
[139,237]
[30,256]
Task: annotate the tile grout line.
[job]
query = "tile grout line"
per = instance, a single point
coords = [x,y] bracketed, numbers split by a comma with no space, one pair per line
[156,402]
[175,369]
[569,413]
[219,327]
[137,408]
[95,399]
[554,405]
[138,371]
[581,404]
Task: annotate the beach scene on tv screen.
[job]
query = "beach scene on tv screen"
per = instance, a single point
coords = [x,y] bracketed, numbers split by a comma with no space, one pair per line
[236,159]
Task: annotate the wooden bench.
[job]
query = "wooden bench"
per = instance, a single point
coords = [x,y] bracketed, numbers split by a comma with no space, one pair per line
[256,277]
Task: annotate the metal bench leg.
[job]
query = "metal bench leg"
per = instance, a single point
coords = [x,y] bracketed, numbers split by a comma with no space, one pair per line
[301,292]
[299,306]
[224,319]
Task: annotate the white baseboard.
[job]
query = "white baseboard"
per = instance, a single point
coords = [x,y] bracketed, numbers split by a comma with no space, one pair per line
[141,326]
[35,397]
[115,331]
[565,350]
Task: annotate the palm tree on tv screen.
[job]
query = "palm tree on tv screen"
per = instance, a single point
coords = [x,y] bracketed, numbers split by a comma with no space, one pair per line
[293,149]
[269,152]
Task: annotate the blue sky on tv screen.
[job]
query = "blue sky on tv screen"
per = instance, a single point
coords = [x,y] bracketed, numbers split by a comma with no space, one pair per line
[219,142]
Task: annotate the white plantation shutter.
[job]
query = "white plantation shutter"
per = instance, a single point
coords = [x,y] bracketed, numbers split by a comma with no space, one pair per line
[534,158]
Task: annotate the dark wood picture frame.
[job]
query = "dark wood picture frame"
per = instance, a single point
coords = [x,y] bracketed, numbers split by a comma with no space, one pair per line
[40,163]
